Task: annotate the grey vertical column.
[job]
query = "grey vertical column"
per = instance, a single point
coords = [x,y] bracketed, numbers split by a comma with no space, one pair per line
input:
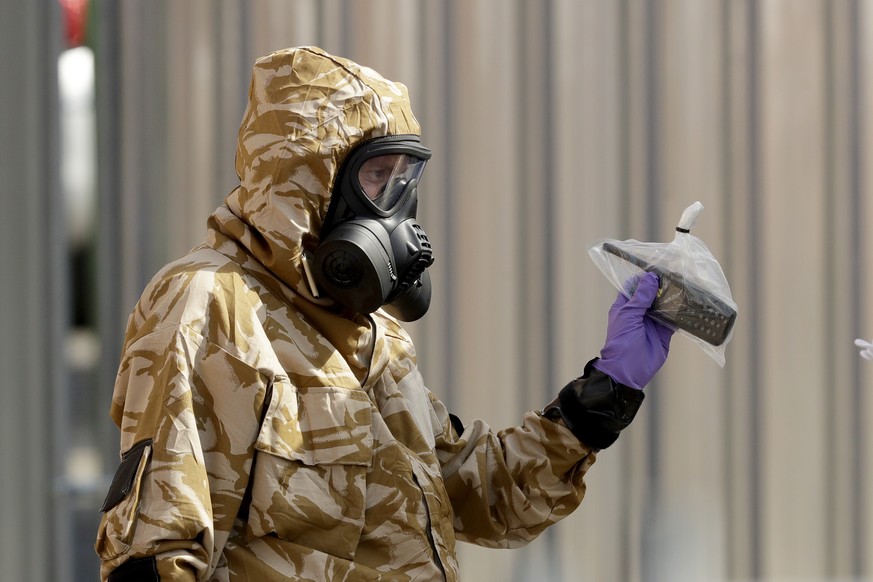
[109,258]
[793,322]
[842,116]
[194,75]
[864,260]
[231,87]
[742,197]
[32,309]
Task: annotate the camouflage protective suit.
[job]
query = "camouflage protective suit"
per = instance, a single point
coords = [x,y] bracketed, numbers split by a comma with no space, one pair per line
[267,437]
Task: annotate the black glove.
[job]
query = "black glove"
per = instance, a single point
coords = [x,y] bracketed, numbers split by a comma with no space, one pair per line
[595,407]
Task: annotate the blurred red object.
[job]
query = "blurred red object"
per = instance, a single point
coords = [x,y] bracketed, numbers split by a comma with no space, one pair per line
[75,15]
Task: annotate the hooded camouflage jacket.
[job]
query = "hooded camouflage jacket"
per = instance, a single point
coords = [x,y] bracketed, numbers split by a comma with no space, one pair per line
[266,437]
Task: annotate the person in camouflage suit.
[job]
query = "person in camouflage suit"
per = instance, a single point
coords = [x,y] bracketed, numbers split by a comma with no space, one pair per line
[268,433]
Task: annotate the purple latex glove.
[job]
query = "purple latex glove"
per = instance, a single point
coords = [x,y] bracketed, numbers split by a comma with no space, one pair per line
[636,345]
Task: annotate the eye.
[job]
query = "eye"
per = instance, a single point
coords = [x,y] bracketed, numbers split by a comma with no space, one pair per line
[375,173]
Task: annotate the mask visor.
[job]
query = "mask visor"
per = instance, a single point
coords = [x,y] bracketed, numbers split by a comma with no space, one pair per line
[384,178]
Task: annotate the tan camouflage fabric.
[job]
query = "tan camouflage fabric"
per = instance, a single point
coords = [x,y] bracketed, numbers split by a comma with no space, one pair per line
[284,441]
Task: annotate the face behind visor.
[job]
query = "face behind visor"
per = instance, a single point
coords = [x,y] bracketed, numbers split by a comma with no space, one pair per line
[372,253]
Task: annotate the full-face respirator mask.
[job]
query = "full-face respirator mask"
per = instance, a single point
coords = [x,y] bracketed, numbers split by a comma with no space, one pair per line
[372,253]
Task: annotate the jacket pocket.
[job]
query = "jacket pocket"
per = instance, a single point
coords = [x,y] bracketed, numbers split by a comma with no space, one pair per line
[121,506]
[309,483]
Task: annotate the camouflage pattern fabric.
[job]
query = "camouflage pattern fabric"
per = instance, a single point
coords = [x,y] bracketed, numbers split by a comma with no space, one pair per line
[266,437]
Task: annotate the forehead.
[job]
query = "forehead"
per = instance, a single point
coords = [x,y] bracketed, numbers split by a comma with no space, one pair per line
[386,160]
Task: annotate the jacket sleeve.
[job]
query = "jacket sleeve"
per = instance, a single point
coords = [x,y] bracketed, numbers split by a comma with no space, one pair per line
[189,415]
[507,487]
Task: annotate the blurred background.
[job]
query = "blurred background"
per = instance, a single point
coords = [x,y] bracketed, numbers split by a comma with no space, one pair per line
[553,123]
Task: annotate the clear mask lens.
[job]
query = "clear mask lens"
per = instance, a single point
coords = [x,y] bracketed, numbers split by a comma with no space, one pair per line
[384,178]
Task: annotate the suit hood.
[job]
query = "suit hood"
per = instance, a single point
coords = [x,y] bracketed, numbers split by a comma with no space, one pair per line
[306,110]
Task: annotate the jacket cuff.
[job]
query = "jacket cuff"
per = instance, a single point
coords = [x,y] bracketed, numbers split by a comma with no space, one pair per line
[595,407]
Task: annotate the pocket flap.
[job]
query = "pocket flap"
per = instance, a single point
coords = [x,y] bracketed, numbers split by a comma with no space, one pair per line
[318,425]
[125,475]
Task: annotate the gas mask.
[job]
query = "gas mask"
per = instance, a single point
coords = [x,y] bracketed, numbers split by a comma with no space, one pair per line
[372,253]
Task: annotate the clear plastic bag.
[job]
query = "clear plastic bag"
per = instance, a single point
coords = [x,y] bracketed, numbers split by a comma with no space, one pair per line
[694,296]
